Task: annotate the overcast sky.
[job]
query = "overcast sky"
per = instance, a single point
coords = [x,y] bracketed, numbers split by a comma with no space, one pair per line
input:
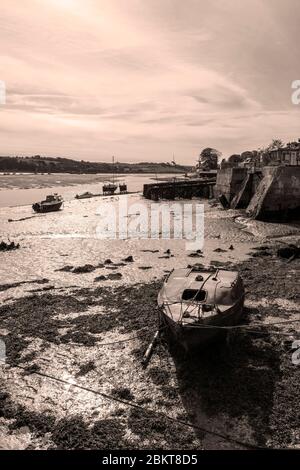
[146,79]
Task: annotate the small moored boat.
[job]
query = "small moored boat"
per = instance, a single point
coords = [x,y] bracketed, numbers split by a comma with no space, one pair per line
[109,188]
[85,195]
[123,187]
[53,202]
[194,302]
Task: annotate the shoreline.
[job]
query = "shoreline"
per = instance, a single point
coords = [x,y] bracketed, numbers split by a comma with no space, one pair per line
[79,178]
[29,188]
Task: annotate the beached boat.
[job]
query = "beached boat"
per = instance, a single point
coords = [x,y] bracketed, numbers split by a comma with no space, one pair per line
[123,187]
[85,195]
[194,302]
[53,202]
[109,188]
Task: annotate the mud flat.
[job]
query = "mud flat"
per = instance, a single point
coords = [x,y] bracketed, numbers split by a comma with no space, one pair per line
[246,389]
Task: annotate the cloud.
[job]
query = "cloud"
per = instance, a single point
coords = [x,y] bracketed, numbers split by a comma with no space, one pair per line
[146,79]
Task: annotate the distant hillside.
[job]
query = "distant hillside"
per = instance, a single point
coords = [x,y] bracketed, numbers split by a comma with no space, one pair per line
[38,164]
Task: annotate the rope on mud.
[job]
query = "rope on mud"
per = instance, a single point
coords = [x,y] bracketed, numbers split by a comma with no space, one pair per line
[131,338]
[209,327]
[248,327]
[146,410]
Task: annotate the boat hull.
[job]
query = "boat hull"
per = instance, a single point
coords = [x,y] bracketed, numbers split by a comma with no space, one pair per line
[192,336]
[84,196]
[109,191]
[47,208]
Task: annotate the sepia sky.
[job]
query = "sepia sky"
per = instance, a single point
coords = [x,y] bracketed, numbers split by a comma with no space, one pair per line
[146,79]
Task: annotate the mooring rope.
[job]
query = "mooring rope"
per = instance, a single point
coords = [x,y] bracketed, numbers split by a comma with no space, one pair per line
[131,404]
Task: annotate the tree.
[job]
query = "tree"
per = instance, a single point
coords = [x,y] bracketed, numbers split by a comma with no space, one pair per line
[234,159]
[248,154]
[276,144]
[208,159]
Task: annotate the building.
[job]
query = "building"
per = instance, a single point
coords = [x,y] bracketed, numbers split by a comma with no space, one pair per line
[289,155]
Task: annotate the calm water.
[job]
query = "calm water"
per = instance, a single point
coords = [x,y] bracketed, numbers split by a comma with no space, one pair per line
[19,190]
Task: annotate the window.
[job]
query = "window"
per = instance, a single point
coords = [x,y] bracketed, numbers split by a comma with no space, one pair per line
[194,294]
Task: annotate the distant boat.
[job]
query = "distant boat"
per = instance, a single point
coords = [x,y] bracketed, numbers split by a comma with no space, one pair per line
[53,202]
[123,187]
[85,195]
[110,187]
[196,302]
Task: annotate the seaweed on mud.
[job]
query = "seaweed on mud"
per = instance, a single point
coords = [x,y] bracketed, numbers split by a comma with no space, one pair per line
[4,287]
[155,427]
[93,324]
[74,433]
[114,276]
[123,393]
[29,357]
[32,369]
[139,420]
[66,269]
[131,308]
[159,376]
[260,254]
[43,289]
[100,278]
[15,344]
[169,392]
[195,255]
[66,433]
[261,248]
[238,380]
[38,422]
[86,368]
[129,259]
[284,419]
[36,316]
[79,337]
[270,278]
[87,268]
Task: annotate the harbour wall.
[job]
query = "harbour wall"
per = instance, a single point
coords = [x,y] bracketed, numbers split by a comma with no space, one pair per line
[229,181]
[184,189]
[271,192]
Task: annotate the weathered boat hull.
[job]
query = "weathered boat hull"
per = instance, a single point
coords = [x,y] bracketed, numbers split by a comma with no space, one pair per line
[192,336]
[47,208]
[109,191]
[84,196]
